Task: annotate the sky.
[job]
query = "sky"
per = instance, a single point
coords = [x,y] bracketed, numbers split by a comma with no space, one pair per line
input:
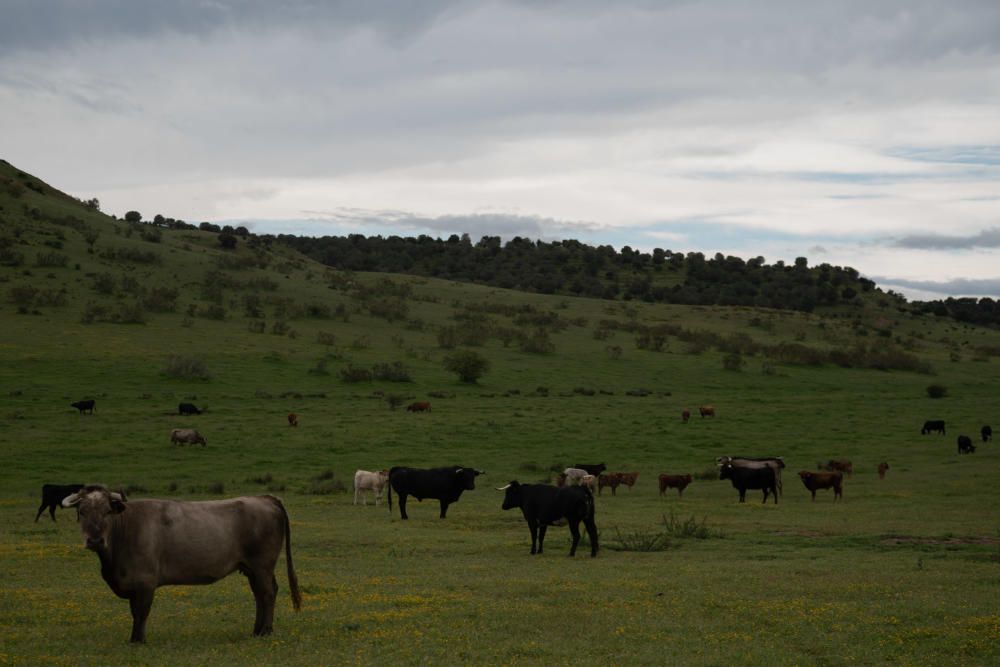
[858,133]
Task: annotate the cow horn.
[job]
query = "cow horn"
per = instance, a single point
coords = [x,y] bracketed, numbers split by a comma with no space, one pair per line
[503,488]
[71,500]
[120,497]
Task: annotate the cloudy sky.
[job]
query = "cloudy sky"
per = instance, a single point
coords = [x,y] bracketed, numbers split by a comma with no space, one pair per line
[862,133]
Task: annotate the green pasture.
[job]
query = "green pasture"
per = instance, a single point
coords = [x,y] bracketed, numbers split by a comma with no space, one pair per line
[905,570]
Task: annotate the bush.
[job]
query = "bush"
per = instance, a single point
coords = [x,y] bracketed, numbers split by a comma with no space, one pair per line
[351,373]
[538,343]
[324,484]
[688,528]
[733,361]
[326,338]
[937,391]
[468,365]
[161,299]
[104,283]
[394,372]
[186,368]
[51,259]
[639,540]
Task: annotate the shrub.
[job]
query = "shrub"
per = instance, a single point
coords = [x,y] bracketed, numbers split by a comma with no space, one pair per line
[351,373]
[324,484]
[468,365]
[733,361]
[394,372]
[161,299]
[51,259]
[687,528]
[104,283]
[538,343]
[212,312]
[185,367]
[319,368]
[937,391]
[639,540]
[326,338]
[394,400]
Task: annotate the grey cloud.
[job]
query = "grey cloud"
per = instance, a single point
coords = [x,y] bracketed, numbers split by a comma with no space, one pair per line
[957,287]
[988,238]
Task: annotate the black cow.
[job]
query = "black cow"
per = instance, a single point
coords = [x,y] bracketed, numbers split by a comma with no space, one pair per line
[543,506]
[187,409]
[84,406]
[52,497]
[750,478]
[965,445]
[933,425]
[594,469]
[444,484]
[987,433]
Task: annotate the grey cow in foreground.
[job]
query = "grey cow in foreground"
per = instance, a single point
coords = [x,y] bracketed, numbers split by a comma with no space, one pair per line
[145,544]
[187,436]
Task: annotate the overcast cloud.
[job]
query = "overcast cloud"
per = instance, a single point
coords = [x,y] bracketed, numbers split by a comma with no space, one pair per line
[860,133]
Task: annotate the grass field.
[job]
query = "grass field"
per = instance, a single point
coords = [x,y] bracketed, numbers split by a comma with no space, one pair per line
[905,570]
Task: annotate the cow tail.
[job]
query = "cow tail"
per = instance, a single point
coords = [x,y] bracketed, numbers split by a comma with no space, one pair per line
[389,484]
[293,581]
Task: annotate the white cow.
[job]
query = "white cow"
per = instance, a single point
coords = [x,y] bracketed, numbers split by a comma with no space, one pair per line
[575,475]
[369,481]
[589,481]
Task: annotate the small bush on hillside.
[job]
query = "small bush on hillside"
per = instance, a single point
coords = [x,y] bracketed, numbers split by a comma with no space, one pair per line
[639,540]
[256,326]
[394,372]
[161,299]
[448,337]
[184,367]
[319,368]
[22,295]
[104,283]
[468,365]
[538,343]
[324,484]
[212,312]
[614,351]
[51,260]
[11,257]
[394,400]
[937,391]
[688,528]
[133,255]
[733,361]
[351,373]
[327,338]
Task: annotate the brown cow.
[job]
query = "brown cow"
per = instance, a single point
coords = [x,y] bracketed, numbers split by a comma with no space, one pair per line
[843,465]
[419,406]
[685,416]
[628,478]
[611,479]
[707,411]
[187,436]
[823,480]
[145,544]
[293,419]
[882,467]
[678,482]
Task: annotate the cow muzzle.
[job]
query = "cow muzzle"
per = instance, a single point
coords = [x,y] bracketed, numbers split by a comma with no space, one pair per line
[94,543]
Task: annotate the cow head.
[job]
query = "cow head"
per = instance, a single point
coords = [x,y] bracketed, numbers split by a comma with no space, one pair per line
[95,504]
[805,474]
[466,477]
[512,495]
[726,470]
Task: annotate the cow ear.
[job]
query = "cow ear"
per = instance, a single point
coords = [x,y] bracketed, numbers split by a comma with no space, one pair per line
[117,506]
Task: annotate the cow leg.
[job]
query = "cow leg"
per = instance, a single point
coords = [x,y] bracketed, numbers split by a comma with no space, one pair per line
[41,508]
[814,494]
[444,508]
[265,591]
[592,534]
[533,528]
[52,512]
[743,495]
[355,496]
[574,530]
[402,506]
[140,602]
[541,537]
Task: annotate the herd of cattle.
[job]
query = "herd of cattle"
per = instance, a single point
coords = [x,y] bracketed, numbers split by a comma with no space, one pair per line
[965,445]
[170,542]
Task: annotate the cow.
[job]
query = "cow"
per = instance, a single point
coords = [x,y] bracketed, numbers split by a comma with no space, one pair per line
[933,425]
[987,433]
[419,406]
[52,496]
[187,436]
[145,544]
[628,478]
[611,480]
[685,416]
[443,484]
[882,468]
[843,465]
[776,463]
[823,480]
[84,406]
[293,419]
[590,482]
[965,445]
[679,482]
[592,468]
[750,478]
[369,481]
[574,475]
[707,411]
[187,409]
[561,480]
[543,505]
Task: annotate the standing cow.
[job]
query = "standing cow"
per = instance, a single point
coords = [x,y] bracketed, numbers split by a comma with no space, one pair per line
[707,411]
[293,419]
[419,406]
[52,497]
[145,544]
[775,463]
[987,433]
[187,436]
[685,416]
[187,409]
[933,425]
[612,480]
[679,482]
[443,484]
[823,480]
[965,445]
[543,505]
[750,478]
[85,406]
[882,468]
[365,481]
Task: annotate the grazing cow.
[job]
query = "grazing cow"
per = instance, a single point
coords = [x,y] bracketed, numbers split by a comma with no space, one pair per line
[965,445]
[679,482]
[574,475]
[145,544]
[419,406]
[52,497]
[84,406]
[987,433]
[750,478]
[628,478]
[187,436]
[293,419]
[589,481]
[611,480]
[843,465]
[443,484]
[369,481]
[685,416]
[543,505]
[592,468]
[707,411]
[776,463]
[882,468]
[823,480]
[187,409]
[933,425]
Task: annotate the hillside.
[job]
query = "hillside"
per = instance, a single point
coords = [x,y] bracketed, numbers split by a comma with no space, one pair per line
[140,317]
